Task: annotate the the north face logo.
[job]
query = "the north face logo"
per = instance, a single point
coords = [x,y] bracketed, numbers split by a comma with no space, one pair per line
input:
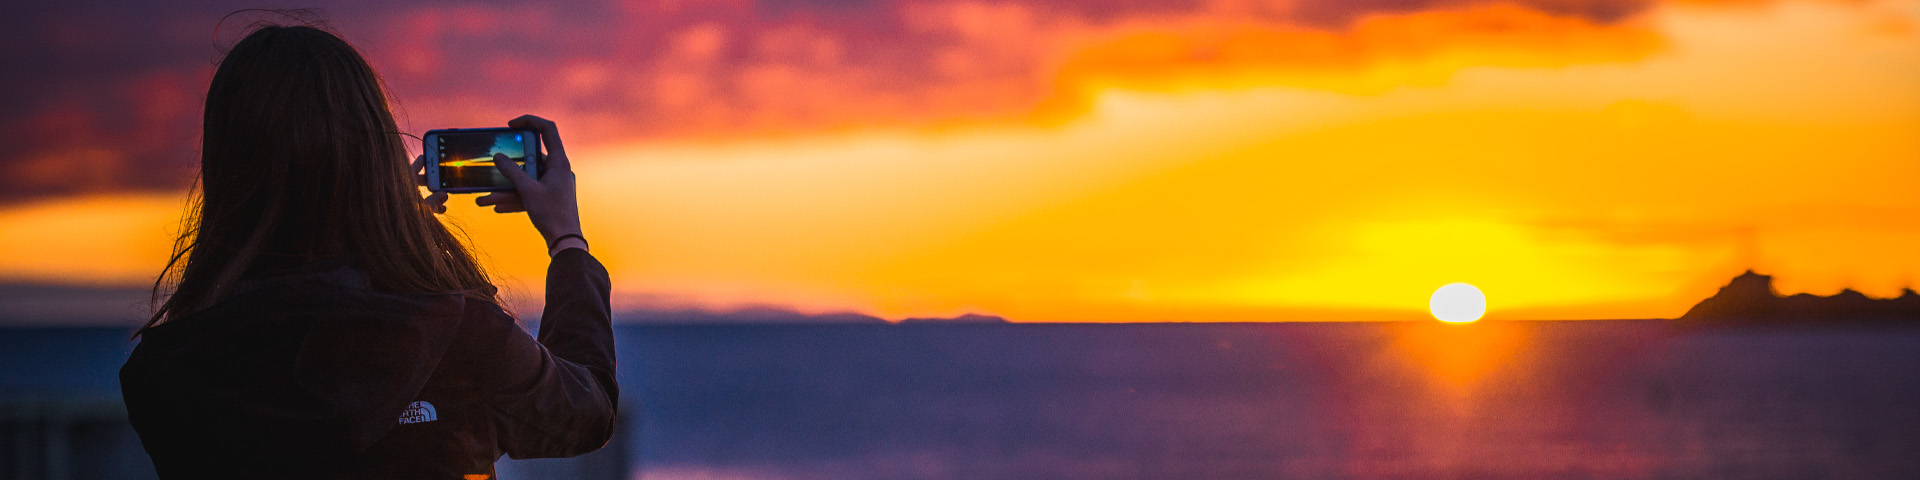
[418,412]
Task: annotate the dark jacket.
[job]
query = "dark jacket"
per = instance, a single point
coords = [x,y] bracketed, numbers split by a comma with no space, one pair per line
[309,373]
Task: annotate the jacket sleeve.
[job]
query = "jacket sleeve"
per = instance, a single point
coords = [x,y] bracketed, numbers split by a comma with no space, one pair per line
[555,397]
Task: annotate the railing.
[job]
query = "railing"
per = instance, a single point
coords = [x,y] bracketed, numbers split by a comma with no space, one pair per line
[68,437]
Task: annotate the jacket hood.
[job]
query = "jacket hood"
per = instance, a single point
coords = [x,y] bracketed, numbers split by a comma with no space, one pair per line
[301,366]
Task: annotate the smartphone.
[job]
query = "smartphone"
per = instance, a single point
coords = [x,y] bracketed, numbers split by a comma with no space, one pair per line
[460,160]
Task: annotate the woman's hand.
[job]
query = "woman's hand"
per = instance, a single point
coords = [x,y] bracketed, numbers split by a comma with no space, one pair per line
[438,200]
[548,201]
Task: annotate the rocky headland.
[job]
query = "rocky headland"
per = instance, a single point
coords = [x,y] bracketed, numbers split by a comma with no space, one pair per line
[1750,300]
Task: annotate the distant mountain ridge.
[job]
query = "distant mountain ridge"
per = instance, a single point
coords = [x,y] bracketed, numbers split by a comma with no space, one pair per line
[1750,300]
[776,316]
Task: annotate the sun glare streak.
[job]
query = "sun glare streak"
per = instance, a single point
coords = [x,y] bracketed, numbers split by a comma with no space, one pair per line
[472,162]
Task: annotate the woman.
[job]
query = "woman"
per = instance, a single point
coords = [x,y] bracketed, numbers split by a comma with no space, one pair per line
[324,324]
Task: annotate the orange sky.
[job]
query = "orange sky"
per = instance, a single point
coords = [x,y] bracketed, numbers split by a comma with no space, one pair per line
[1202,166]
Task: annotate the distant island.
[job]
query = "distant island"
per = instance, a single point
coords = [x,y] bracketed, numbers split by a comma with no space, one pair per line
[965,318]
[1750,300]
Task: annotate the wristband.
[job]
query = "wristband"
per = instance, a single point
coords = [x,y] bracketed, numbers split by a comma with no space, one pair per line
[556,241]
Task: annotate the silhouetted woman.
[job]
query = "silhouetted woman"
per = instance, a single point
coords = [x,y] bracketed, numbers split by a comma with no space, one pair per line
[324,324]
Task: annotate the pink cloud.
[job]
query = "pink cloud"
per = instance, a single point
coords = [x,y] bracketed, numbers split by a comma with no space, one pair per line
[719,69]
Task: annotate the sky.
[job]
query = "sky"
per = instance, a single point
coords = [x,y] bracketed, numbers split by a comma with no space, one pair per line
[1068,161]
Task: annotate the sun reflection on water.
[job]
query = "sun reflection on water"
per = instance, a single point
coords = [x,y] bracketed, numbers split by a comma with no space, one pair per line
[1460,358]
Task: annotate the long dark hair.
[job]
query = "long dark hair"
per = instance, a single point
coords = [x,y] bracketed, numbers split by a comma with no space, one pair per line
[300,160]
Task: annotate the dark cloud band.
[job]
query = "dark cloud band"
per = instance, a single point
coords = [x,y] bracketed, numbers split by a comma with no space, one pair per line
[105,96]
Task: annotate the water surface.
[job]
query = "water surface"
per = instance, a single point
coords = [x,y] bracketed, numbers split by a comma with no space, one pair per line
[1618,399]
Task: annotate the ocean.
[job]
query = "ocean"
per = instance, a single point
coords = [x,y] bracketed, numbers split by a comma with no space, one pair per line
[1586,399]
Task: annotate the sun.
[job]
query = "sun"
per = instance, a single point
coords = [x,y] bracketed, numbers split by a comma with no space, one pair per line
[1458,303]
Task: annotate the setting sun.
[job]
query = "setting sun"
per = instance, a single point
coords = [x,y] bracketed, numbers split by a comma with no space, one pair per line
[1458,303]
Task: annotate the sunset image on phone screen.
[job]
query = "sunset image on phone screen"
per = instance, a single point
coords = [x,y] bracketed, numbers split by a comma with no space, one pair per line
[466,160]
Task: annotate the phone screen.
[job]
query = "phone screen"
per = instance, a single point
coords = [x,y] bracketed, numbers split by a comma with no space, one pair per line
[466,159]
